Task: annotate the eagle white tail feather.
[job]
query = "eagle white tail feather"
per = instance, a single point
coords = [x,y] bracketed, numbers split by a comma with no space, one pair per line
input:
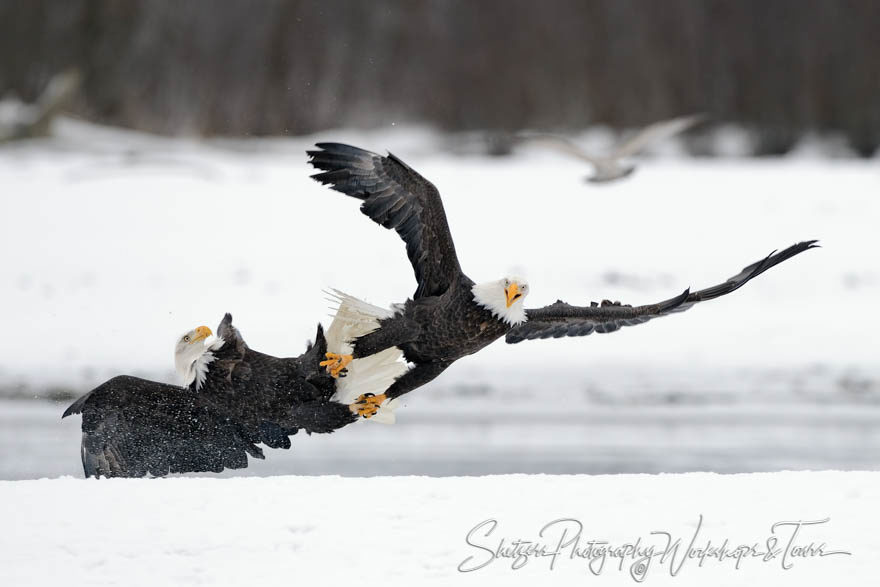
[373,374]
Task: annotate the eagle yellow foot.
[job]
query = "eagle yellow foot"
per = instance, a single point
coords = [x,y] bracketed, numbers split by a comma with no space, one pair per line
[336,364]
[367,405]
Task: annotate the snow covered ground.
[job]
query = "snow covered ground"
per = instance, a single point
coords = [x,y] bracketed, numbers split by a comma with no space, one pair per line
[424,531]
[112,243]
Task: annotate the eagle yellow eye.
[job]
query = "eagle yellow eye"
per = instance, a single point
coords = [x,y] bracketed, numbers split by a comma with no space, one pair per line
[186,338]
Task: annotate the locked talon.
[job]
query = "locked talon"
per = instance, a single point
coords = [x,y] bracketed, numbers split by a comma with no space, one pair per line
[368,404]
[335,364]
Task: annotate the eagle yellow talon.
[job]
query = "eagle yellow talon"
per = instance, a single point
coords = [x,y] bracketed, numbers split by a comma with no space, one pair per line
[367,405]
[336,364]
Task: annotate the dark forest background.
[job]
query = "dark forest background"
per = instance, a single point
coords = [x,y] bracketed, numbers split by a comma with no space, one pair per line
[272,67]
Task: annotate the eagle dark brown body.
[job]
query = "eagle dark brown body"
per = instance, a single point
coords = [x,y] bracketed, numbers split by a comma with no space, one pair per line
[433,333]
[443,321]
[133,427]
[273,397]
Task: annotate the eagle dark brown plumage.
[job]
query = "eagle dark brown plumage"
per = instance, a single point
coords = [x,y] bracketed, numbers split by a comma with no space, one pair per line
[133,427]
[443,322]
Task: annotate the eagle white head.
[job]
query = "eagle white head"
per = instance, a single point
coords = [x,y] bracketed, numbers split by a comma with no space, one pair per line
[504,298]
[192,355]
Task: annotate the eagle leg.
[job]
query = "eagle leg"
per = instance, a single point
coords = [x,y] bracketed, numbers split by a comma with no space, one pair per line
[336,364]
[367,404]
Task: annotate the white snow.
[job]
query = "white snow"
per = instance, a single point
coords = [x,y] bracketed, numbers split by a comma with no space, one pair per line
[113,243]
[412,530]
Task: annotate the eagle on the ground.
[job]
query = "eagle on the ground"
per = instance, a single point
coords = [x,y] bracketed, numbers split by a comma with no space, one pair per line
[233,398]
[450,316]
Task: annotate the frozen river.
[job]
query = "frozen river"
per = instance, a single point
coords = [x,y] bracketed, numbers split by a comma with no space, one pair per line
[448,432]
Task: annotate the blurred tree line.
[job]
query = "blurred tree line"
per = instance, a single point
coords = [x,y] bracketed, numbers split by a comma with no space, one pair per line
[270,67]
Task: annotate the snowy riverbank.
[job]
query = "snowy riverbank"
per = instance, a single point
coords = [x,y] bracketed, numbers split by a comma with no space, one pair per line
[412,530]
[617,421]
[115,242]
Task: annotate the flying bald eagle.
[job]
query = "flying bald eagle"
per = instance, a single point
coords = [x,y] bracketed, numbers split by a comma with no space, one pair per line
[233,399]
[450,316]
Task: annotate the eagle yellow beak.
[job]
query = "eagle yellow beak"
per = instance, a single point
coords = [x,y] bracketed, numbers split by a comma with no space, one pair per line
[512,293]
[202,332]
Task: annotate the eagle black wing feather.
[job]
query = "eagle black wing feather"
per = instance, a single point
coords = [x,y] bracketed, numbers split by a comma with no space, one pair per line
[560,319]
[133,427]
[397,197]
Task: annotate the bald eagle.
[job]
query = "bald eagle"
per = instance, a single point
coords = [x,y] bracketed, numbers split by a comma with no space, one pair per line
[232,399]
[450,316]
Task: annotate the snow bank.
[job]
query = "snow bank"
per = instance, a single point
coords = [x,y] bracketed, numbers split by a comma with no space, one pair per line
[412,530]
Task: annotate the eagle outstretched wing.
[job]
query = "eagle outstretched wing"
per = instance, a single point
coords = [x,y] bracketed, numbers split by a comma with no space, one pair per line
[560,319]
[397,197]
[133,427]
